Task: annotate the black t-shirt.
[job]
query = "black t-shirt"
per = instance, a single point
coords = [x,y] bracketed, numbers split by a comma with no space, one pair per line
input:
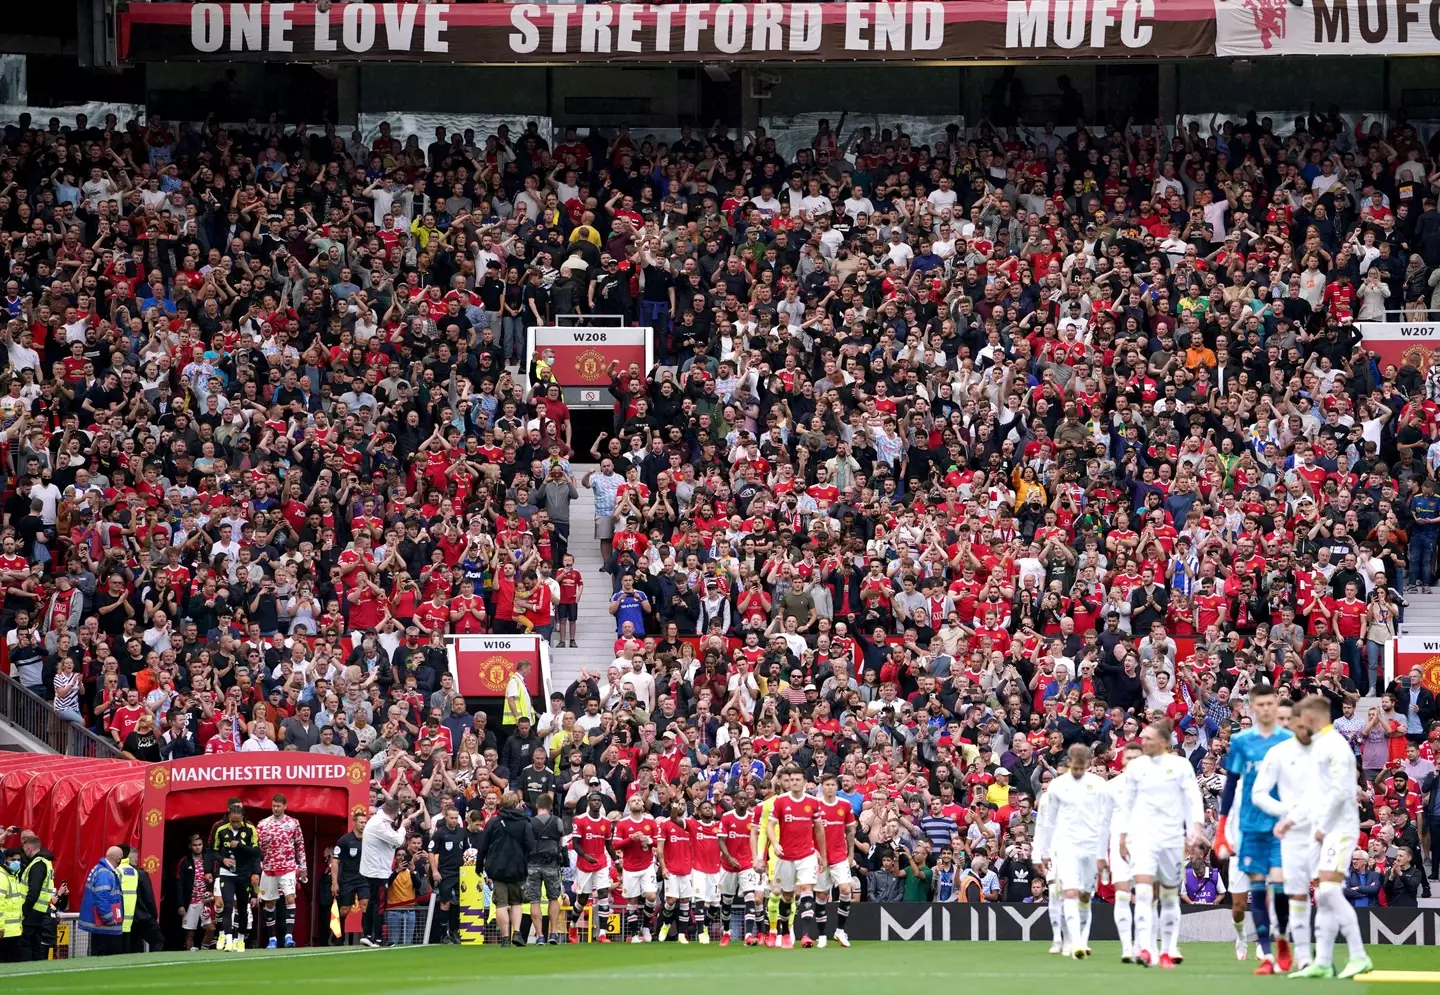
[347,858]
[144,746]
[657,285]
[448,846]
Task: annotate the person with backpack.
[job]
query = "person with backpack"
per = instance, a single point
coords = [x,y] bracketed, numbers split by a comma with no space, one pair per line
[542,879]
[504,852]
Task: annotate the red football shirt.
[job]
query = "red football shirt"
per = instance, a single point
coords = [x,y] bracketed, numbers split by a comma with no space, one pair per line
[735,831]
[836,818]
[679,847]
[634,854]
[797,825]
[707,846]
[589,843]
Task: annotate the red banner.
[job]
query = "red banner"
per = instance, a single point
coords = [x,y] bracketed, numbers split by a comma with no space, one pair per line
[482,665]
[1410,652]
[694,32]
[312,783]
[582,357]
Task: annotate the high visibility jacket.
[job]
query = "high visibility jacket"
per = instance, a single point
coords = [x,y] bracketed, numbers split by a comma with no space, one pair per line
[12,898]
[517,702]
[47,890]
[129,890]
[969,880]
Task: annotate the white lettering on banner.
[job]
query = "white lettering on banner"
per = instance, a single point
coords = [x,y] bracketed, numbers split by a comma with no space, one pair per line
[903,26]
[1024,920]
[890,929]
[245,27]
[1412,933]
[257,27]
[400,26]
[261,773]
[207,27]
[1028,23]
[280,26]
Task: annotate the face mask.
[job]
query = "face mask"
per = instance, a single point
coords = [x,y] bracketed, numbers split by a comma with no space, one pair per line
[14,866]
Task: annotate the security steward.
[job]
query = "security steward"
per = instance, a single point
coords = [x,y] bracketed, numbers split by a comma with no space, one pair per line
[12,898]
[142,916]
[448,841]
[39,877]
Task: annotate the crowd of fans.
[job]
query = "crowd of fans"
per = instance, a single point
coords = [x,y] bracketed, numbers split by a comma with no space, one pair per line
[955,456]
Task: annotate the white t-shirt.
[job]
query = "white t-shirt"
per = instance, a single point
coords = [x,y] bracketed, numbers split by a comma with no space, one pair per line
[49,496]
[901,253]
[768,205]
[814,207]
[941,199]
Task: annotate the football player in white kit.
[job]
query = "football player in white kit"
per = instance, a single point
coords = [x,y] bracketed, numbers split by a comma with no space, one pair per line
[1054,901]
[1116,867]
[1070,844]
[1331,809]
[1282,784]
[1164,811]
[1226,845]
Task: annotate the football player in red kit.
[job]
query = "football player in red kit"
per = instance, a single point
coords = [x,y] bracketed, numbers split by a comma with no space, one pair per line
[798,840]
[838,819]
[705,875]
[634,839]
[738,878]
[590,840]
[676,852]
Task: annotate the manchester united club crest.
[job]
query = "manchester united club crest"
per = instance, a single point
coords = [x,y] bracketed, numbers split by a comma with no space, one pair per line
[1417,356]
[590,366]
[495,673]
[1430,673]
[154,817]
[159,777]
[358,771]
[152,864]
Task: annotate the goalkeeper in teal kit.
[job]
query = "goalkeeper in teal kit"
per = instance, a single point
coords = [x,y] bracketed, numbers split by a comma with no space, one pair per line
[1259,848]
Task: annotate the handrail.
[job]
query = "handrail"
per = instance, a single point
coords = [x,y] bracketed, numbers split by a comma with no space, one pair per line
[37,718]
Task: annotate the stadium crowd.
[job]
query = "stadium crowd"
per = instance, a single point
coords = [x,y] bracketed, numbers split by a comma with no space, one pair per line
[955,456]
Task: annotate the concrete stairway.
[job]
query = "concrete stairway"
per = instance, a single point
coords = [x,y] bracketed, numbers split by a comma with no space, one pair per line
[595,632]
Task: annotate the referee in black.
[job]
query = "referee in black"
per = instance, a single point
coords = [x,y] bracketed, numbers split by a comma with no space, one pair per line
[348,886]
[447,843]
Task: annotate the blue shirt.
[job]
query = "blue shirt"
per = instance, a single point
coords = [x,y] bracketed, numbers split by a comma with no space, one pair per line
[1246,752]
[1425,507]
[632,609]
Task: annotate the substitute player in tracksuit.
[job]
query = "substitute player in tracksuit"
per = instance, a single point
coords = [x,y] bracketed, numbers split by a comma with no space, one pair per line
[236,845]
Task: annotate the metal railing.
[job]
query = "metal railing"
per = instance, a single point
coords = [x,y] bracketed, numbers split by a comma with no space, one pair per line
[36,717]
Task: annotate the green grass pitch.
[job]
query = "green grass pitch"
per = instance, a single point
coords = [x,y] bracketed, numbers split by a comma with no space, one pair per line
[670,969]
